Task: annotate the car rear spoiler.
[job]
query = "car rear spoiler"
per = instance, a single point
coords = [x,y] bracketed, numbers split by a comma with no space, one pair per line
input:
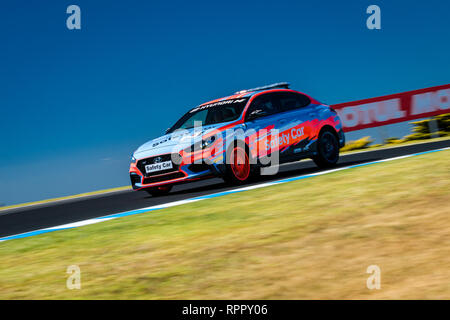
[270,86]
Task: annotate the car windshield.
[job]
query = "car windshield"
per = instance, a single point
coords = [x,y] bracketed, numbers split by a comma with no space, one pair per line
[211,113]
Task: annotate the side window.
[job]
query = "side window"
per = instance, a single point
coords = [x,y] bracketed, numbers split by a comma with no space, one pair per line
[290,101]
[262,106]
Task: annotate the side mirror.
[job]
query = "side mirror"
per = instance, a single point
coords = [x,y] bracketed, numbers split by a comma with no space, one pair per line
[258,113]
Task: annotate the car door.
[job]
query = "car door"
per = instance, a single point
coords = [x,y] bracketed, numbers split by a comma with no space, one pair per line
[295,121]
[262,121]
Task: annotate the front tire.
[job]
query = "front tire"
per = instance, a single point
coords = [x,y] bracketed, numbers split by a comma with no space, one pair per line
[158,191]
[238,167]
[327,150]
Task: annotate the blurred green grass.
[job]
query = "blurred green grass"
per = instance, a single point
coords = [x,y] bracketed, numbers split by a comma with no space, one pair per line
[312,238]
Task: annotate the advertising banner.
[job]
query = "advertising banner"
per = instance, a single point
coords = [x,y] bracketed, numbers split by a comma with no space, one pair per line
[399,107]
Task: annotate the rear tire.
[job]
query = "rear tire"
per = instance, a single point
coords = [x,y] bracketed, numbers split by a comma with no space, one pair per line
[327,150]
[158,191]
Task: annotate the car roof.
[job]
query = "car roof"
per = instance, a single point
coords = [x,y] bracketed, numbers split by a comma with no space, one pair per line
[248,93]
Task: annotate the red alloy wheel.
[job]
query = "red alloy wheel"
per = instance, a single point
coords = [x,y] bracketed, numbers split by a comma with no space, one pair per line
[240,164]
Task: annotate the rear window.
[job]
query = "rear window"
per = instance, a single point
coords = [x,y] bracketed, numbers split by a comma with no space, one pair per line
[290,101]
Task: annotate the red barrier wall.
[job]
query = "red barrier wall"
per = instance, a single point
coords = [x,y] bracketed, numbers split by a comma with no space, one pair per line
[393,108]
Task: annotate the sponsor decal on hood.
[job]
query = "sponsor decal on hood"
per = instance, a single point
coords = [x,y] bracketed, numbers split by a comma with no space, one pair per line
[183,138]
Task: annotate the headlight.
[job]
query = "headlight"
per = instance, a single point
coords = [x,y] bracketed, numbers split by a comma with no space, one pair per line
[133,159]
[201,144]
[206,143]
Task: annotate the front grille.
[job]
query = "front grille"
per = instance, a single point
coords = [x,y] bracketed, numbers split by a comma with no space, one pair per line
[165,177]
[164,157]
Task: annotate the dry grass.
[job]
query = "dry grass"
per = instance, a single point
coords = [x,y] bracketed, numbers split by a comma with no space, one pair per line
[312,238]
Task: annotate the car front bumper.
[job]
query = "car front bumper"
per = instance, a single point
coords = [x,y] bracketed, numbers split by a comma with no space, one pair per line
[181,174]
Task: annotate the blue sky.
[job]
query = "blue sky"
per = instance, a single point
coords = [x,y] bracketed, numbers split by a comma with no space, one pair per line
[74,104]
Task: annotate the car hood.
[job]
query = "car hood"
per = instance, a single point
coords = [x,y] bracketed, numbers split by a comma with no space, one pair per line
[174,142]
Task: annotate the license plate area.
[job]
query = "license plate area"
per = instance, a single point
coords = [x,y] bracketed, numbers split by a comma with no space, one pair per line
[157,167]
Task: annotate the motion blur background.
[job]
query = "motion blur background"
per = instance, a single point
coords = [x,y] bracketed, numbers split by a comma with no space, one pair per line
[74,104]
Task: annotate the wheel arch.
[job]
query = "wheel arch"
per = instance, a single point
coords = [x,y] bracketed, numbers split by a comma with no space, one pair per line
[330,128]
[234,143]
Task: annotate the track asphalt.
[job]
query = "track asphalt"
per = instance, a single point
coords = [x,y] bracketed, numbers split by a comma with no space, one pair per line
[20,220]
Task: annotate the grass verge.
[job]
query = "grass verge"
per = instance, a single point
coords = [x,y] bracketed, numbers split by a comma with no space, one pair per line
[312,238]
[363,144]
